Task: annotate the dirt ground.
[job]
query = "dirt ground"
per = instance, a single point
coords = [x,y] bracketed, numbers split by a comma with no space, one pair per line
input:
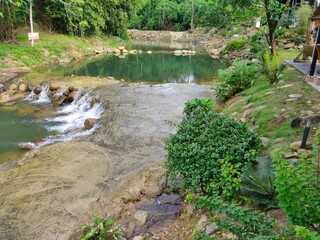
[52,191]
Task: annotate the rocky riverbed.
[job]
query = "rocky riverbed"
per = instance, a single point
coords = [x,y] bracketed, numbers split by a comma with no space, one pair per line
[53,190]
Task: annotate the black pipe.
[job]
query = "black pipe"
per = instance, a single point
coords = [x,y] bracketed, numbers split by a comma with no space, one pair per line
[305,134]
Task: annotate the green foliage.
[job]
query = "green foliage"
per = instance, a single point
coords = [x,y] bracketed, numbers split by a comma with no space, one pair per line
[305,234]
[236,44]
[102,229]
[240,77]
[298,188]
[258,45]
[202,236]
[242,222]
[298,40]
[203,143]
[257,183]
[303,15]
[197,104]
[272,67]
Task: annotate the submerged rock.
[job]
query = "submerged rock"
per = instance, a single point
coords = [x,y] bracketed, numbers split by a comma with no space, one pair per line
[89,123]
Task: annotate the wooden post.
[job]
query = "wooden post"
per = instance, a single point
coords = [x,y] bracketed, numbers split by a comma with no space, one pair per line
[31,24]
[315,55]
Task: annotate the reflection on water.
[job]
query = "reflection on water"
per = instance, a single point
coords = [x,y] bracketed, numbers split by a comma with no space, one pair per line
[161,66]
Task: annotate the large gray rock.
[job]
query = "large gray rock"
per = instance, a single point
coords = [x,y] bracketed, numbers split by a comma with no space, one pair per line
[211,228]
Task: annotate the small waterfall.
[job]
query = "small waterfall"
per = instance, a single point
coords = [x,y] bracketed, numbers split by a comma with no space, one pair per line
[42,97]
[68,122]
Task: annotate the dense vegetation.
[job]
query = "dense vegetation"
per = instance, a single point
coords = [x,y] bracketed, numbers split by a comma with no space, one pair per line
[76,17]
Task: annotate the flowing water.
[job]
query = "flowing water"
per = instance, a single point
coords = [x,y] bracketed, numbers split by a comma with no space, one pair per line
[34,123]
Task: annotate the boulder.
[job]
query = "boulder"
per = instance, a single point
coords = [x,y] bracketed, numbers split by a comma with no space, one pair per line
[149,52]
[301,152]
[124,51]
[57,100]
[37,90]
[139,238]
[89,123]
[13,87]
[71,96]
[23,87]
[177,52]
[212,228]
[295,146]
[11,96]
[116,51]
[72,89]
[201,223]
[54,87]
[121,48]
[288,46]
[142,216]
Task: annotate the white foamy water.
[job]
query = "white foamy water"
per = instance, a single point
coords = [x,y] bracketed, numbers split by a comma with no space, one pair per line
[43,97]
[69,119]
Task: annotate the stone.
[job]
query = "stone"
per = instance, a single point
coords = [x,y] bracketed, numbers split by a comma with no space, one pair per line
[72,89]
[121,48]
[11,96]
[295,96]
[13,87]
[124,51]
[58,100]
[211,228]
[149,52]
[23,87]
[89,123]
[285,86]
[201,223]
[177,52]
[94,101]
[215,52]
[54,87]
[190,209]
[289,155]
[139,51]
[301,152]
[142,216]
[116,51]
[139,238]
[249,105]
[265,141]
[295,146]
[37,90]
[71,96]
[130,229]
[133,51]
[288,46]
[45,52]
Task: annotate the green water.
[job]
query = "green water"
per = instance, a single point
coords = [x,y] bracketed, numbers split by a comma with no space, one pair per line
[19,123]
[158,67]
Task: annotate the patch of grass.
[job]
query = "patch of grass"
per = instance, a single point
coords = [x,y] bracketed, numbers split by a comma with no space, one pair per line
[274,120]
[287,54]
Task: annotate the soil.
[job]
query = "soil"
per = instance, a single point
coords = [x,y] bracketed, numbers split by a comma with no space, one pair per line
[54,190]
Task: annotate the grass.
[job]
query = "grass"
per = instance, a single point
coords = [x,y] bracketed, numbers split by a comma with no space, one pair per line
[49,47]
[274,120]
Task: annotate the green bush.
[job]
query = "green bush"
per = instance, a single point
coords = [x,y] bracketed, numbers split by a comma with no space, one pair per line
[208,147]
[236,44]
[272,67]
[298,188]
[240,77]
[298,40]
[303,14]
[258,45]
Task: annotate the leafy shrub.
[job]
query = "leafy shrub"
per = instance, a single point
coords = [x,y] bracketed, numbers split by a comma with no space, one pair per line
[303,14]
[206,146]
[236,45]
[240,77]
[257,183]
[272,67]
[102,228]
[197,103]
[298,40]
[258,45]
[298,188]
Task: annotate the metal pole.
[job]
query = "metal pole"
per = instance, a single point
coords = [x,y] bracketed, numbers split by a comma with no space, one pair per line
[31,24]
[315,54]
[305,134]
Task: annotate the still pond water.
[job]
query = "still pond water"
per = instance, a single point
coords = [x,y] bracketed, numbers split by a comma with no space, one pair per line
[26,122]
